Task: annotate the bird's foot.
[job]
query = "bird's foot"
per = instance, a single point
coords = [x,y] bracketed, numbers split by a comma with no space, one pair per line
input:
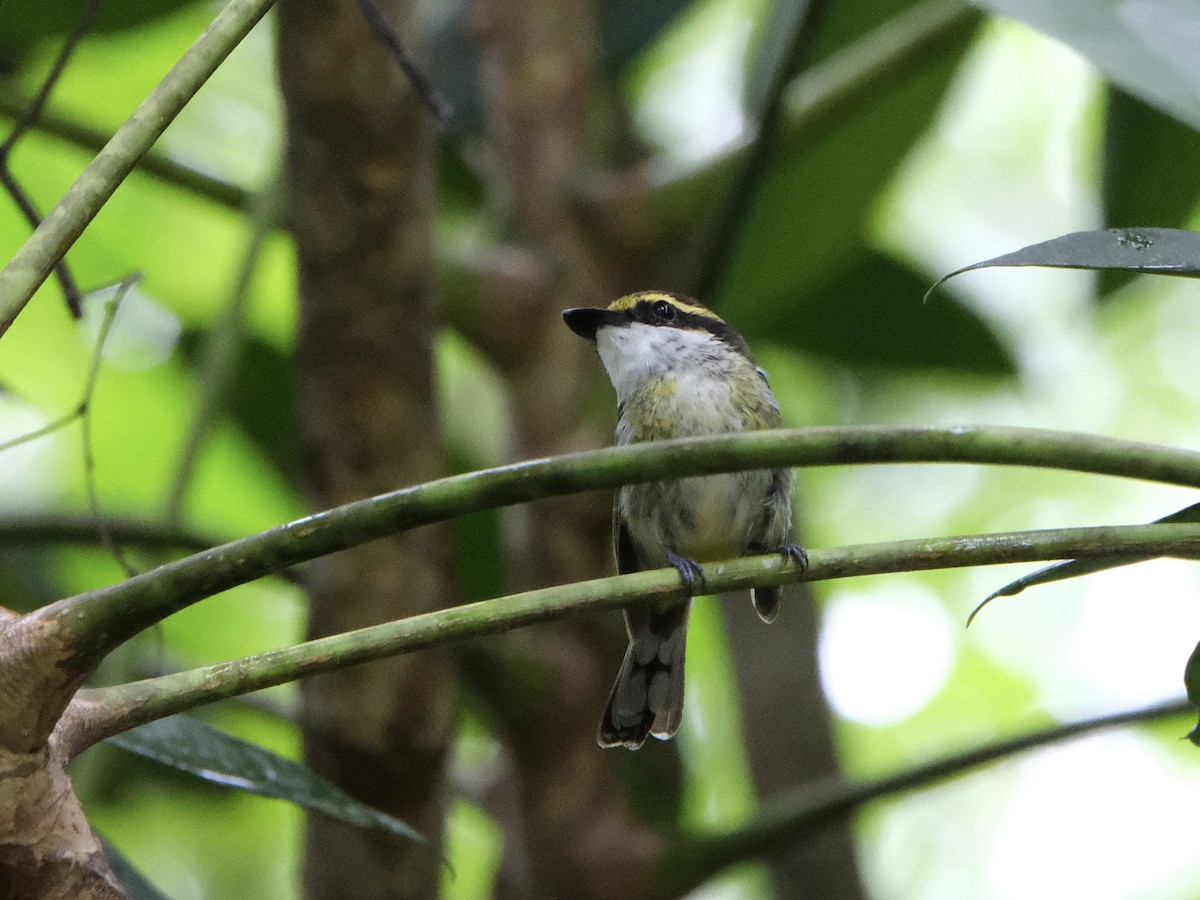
[689,570]
[796,554]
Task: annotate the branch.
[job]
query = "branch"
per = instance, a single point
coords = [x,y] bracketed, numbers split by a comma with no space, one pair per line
[432,99]
[694,860]
[28,117]
[153,163]
[37,529]
[92,624]
[110,710]
[222,350]
[36,258]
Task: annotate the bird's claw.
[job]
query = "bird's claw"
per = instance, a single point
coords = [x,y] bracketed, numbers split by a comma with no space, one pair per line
[796,554]
[689,570]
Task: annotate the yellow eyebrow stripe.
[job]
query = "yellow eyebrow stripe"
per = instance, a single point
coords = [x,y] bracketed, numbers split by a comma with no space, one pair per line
[681,303]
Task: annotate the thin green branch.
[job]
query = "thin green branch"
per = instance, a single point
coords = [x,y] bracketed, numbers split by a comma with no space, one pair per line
[101,619]
[111,308]
[786,820]
[114,709]
[33,112]
[222,349]
[36,258]
[155,164]
[49,428]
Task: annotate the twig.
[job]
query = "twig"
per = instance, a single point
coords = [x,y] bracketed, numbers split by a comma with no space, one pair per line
[36,258]
[154,163]
[788,819]
[431,97]
[754,166]
[105,617]
[39,529]
[85,410]
[125,706]
[28,118]
[222,350]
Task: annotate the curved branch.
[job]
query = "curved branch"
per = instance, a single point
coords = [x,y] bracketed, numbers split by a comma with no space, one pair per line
[104,618]
[108,711]
[88,626]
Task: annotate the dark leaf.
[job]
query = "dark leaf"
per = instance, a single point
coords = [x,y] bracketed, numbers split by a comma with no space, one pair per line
[870,316]
[810,213]
[136,885]
[1149,161]
[1159,251]
[23,23]
[263,405]
[1076,568]
[627,27]
[191,746]
[1191,682]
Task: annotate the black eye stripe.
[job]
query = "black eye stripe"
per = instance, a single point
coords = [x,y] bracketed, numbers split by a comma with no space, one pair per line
[648,313]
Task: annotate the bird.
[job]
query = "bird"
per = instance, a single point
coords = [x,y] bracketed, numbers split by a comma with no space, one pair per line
[679,370]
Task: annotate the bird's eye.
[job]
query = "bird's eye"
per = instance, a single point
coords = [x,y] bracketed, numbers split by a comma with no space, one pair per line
[664,310]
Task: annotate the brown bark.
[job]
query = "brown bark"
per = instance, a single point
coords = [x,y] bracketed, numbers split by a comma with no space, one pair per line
[47,849]
[361,178]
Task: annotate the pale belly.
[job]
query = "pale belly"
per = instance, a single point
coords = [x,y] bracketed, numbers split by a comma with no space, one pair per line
[704,518]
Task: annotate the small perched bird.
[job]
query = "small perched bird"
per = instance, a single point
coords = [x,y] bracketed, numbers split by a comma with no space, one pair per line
[680,371]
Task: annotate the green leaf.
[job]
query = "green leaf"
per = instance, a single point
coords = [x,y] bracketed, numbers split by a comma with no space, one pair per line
[1148,47]
[871,316]
[1149,159]
[627,27]
[263,405]
[1077,568]
[190,745]
[1157,251]
[136,885]
[810,214]
[25,22]
[1191,682]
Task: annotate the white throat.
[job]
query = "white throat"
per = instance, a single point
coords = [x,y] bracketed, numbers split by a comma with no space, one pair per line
[635,354]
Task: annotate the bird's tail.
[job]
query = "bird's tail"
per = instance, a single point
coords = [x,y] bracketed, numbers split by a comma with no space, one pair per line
[647,698]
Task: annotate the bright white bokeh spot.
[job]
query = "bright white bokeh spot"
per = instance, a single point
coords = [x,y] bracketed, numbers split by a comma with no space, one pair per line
[143,335]
[26,470]
[692,107]
[884,654]
[1136,628]
[1109,817]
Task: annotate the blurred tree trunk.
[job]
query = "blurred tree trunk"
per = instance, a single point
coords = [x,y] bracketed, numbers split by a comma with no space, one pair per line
[788,733]
[362,194]
[591,823]
[580,835]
